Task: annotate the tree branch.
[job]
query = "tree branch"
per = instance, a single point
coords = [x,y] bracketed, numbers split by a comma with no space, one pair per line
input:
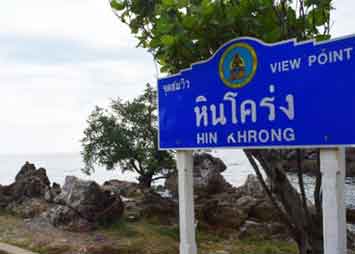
[255,166]
[301,183]
[317,188]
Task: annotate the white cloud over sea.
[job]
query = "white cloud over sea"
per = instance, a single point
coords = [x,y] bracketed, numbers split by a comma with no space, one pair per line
[59,59]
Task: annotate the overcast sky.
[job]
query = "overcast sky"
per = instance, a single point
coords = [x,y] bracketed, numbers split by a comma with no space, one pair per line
[58,59]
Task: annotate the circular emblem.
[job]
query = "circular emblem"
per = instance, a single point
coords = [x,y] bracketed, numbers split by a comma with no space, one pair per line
[238,65]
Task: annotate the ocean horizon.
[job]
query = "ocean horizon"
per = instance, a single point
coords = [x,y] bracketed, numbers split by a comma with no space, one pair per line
[60,165]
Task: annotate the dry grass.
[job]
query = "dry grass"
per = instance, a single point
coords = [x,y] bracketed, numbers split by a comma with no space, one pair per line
[124,237]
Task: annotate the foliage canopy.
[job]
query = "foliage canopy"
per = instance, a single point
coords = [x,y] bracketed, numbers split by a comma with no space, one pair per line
[180,32]
[126,134]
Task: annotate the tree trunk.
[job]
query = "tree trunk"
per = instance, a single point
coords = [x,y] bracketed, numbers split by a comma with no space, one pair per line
[145,181]
[306,230]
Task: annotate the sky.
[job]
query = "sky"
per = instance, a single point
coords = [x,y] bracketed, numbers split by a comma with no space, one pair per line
[60,59]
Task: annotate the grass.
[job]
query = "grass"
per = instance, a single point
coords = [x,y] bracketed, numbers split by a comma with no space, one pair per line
[146,237]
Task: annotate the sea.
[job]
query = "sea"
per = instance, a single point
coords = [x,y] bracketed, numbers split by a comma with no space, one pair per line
[60,165]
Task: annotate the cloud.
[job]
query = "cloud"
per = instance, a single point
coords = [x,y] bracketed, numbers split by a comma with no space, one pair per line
[88,21]
[43,50]
[343,22]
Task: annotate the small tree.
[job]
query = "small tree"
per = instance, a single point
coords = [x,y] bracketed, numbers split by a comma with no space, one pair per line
[126,134]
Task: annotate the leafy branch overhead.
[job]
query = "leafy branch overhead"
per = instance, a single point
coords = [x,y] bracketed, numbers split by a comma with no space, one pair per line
[180,32]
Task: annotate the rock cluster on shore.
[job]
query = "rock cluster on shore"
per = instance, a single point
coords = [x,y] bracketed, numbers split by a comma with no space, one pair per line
[83,205]
[309,163]
[78,206]
[219,205]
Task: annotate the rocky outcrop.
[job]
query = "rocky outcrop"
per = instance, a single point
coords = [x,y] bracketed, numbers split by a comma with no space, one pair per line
[30,185]
[207,176]
[83,204]
[247,209]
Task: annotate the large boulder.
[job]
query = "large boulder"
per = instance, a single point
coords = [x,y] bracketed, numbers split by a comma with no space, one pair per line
[30,183]
[207,176]
[82,204]
[264,211]
[220,211]
[152,206]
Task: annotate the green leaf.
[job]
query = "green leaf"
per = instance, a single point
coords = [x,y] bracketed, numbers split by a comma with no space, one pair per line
[182,3]
[207,7]
[117,5]
[168,40]
[189,21]
[317,17]
[168,3]
[322,37]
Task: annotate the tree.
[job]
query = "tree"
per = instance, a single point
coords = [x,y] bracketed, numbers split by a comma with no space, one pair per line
[180,32]
[126,134]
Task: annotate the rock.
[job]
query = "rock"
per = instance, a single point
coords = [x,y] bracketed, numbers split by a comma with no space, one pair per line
[220,252]
[220,213]
[133,212]
[252,188]
[28,208]
[68,219]
[123,188]
[350,215]
[350,239]
[263,231]
[246,203]
[152,205]
[207,176]
[252,229]
[264,211]
[289,161]
[83,204]
[26,169]
[30,184]
[52,193]
[350,162]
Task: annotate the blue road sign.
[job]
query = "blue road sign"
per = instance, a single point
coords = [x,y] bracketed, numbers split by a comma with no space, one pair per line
[253,94]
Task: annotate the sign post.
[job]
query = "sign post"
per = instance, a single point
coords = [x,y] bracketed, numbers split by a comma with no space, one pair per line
[186,202]
[251,94]
[333,183]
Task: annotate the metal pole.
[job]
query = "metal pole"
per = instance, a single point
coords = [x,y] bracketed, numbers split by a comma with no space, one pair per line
[186,203]
[333,187]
